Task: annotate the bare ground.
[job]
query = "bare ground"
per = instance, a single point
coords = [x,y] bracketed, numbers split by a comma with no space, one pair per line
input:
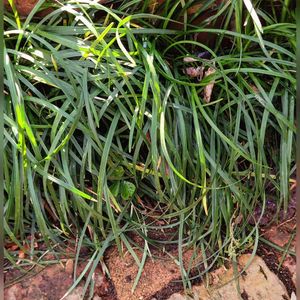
[271,271]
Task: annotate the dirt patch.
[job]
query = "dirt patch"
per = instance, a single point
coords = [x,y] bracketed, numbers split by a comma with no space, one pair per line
[161,277]
[157,274]
[160,280]
[52,282]
[175,286]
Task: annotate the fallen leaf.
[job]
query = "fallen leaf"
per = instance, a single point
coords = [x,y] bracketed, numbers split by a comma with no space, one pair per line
[194,8]
[139,200]
[167,170]
[254,89]
[153,5]
[11,246]
[21,254]
[189,59]
[148,137]
[238,219]
[158,163]
[91,232]
[209,88]
[194,72]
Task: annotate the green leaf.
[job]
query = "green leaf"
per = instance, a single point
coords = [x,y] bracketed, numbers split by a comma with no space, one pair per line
[115,188]
[127,190]
[117,173]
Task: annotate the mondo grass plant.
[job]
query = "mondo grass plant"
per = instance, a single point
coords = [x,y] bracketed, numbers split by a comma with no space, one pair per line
[107,134]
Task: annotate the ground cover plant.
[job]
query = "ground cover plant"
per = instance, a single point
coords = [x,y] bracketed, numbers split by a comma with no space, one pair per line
[123,117]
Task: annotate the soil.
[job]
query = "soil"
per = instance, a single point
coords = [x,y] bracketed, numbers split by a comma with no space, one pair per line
[176,286]
[160,278]
[159,274]
[52,282]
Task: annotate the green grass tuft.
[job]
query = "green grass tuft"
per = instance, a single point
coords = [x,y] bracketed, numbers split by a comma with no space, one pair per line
[104,129]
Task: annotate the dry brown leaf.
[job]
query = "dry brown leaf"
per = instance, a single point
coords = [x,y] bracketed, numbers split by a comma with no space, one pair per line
[148,137]
[209,88]
[238,219]
[189,59]
[91,232]
[158,163]
[194,72]
[194,8]
[254,89]
[11,247]
[139,200]
[167,170]
[153,5]
[21,254]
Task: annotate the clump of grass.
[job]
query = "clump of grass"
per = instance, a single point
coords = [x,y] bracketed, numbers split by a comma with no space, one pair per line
[105,134]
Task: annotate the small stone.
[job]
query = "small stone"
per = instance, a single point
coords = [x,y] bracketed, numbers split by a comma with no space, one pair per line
[177,296]
[69,266]
[76,294]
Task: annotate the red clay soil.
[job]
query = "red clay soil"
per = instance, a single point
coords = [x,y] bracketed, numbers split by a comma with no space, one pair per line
[160,277]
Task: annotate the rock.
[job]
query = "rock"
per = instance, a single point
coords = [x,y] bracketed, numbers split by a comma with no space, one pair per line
[76,294]
[69,266]
[177,296]
[258,283]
